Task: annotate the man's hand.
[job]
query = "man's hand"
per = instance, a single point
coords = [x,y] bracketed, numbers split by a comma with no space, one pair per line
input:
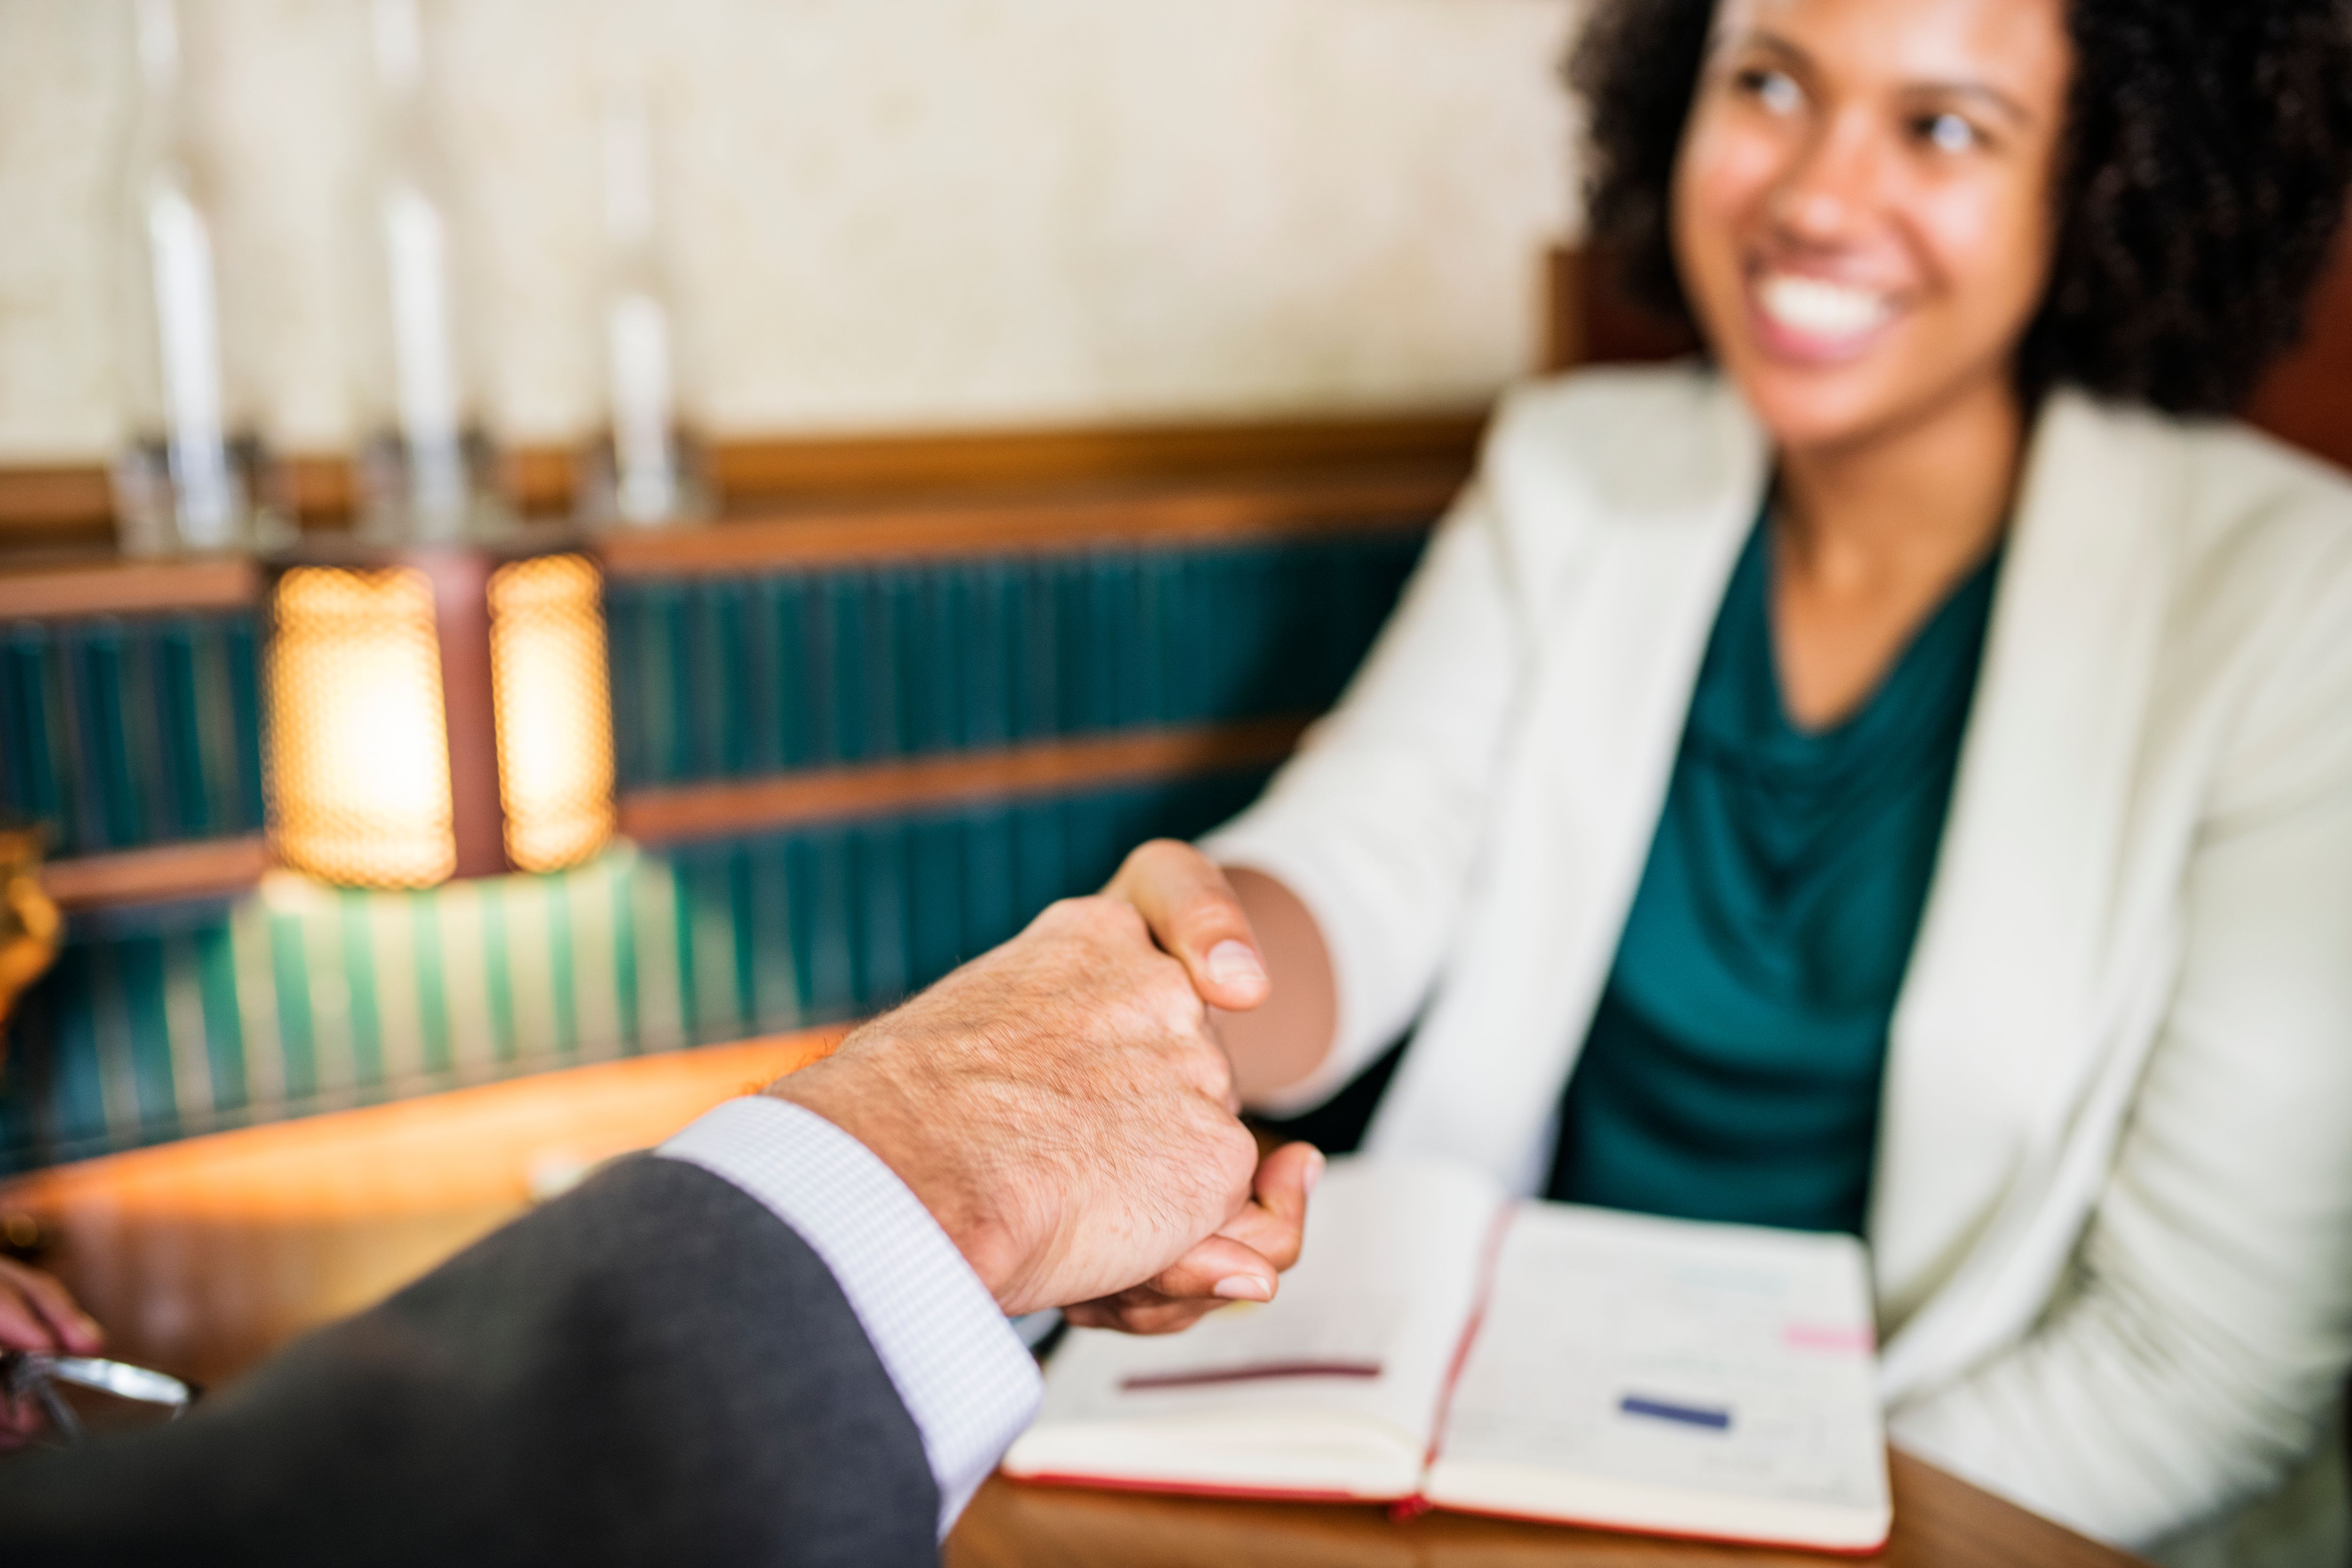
[1060,1108]
[36,1313]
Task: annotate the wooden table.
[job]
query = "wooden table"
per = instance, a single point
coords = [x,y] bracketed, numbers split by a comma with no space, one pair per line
[201,1257]
[1938,1521]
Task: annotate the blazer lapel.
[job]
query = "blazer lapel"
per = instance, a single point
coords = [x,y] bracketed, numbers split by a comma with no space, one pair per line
[1996,1032]
[1627,544]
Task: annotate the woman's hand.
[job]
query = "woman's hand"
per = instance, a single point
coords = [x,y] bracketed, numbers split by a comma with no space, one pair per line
[1196,918]
[37,1315]
[1251,950]
[1209,1276]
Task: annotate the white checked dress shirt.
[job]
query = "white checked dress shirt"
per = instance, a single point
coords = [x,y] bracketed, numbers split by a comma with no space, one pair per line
[959,1367]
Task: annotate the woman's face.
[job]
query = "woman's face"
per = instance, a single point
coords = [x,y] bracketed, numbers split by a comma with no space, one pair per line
[1862,209]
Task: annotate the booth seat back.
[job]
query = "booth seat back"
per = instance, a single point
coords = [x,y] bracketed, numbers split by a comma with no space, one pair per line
[140,732]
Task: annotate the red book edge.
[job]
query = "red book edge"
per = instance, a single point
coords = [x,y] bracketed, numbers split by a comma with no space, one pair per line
[1403,1509]
[1659,1532]
[1414,1505]
[1193,1489]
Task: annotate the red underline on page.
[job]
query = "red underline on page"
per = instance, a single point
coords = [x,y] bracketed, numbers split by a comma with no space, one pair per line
[1261,1372]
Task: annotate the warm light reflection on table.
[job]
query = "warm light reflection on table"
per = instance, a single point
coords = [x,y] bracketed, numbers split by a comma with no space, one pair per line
[201,1257]
[1939,1522]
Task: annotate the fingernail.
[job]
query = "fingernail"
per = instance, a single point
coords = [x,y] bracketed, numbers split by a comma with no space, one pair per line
[1315,1172]
[1243,1287]
[1232,963]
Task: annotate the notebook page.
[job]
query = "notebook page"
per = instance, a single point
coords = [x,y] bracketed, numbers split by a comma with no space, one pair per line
[1339,1377]
[1703,1378]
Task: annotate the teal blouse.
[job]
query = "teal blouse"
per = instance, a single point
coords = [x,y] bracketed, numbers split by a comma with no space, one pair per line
[1732,1068]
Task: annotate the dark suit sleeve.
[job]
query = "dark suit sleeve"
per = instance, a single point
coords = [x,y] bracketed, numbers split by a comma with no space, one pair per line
[654,1369]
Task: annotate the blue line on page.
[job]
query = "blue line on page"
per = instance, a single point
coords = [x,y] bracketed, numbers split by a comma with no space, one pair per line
[1692,1414]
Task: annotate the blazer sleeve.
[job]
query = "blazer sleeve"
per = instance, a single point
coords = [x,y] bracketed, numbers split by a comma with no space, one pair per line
[1375,822]
[651,1369]
[2205,1332]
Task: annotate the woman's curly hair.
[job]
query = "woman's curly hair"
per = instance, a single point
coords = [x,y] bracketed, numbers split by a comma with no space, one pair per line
[2207,156]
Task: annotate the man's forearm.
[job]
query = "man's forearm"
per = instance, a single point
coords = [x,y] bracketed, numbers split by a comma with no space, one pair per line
[962,1374]
[651,1369]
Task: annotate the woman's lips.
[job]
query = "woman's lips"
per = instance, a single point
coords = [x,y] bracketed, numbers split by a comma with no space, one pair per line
[1814,321]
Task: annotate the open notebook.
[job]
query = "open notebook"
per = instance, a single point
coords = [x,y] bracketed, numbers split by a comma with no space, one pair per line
[1438,1345]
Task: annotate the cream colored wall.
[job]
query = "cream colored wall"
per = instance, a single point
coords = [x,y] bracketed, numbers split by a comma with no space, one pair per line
[879,214]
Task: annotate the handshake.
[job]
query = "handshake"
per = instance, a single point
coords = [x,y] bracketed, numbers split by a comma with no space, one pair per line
[653,1369]
[1062,1109]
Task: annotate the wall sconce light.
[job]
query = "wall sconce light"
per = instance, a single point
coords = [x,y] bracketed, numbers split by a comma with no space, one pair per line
[437,713]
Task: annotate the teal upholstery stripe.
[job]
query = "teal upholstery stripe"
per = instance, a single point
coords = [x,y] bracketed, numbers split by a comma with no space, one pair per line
[121,732]
[742,677]
[155,1025]
[562,977]
[216,964]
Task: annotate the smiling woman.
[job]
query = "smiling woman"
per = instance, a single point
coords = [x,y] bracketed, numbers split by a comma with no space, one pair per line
[2202,158]
[1892,775]
[1861,209]
[1861,220]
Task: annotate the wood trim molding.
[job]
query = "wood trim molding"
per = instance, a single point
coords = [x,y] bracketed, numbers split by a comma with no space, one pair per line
[211,868]
[220,867]
[70,505]
[117,587]
[320,487]
[38,498]
[781,801]
[1162,514]
[1032,459]
[1166,514]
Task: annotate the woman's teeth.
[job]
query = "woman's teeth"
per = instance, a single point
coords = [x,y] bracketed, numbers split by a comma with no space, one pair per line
[1820,309]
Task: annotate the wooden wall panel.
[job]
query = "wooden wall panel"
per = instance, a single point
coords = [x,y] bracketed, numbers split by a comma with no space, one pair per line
[1163,513]
[2308,397]
[46,511]
[727,807]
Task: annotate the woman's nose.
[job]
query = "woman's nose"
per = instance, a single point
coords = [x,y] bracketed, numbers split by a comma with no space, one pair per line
[1828,191]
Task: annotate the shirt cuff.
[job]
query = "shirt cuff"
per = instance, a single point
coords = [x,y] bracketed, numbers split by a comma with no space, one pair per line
[956,1362]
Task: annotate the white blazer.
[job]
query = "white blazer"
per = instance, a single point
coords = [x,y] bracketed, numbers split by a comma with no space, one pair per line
[2112,1220]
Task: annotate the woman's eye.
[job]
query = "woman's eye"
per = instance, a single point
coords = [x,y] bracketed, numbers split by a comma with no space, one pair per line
[1776,91]
[1946,132]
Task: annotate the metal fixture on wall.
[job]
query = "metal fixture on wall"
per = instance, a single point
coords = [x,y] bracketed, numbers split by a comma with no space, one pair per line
[437,713]
[190,474]
[645,469]
[427,473]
